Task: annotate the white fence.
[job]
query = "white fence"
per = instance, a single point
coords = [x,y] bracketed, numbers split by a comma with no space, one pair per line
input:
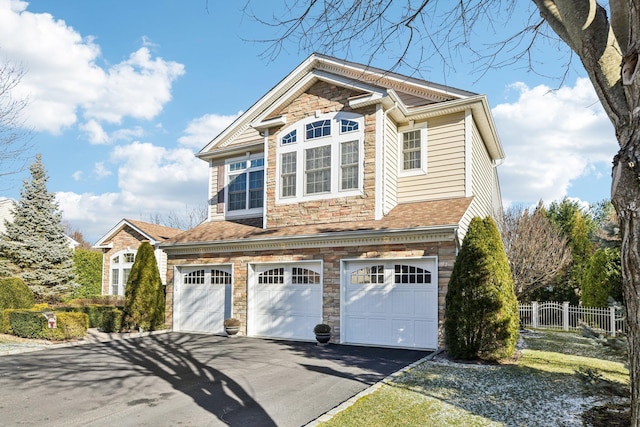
[554,315]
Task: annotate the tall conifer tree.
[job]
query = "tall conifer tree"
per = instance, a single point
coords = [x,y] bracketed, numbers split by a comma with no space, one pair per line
[34,243]
[144,294]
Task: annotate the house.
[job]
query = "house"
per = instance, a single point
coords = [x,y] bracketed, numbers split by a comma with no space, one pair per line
[119,247]
[341,196]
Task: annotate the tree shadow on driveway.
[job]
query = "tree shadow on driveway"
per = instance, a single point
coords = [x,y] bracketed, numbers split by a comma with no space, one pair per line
[121,375]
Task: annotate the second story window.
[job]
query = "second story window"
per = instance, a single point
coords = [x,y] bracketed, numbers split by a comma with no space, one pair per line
[413,151]
[245,185]
[327,163]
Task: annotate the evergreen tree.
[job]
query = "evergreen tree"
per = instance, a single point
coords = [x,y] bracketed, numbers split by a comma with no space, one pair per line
[34,244]
[603,279]
[481,312]
[88,268]
[144,294]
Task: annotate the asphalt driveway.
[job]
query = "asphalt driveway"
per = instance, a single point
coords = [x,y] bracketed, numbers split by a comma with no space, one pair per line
[189,380]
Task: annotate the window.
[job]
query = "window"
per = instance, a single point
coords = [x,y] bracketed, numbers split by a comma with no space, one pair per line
[194,278]
[318,129]
[273,276]
[245,186]
[121,264]
[412,275]
[318,170]
[413,152]
[288,174]
[304,276]
[328,161]
[220,277]
[366,275]
[349,157]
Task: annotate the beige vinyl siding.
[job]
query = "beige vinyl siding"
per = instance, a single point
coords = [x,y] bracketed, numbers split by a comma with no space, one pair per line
[161,258]
[390,175]
[484,182]
[445,175]
[248,135]
[215,170]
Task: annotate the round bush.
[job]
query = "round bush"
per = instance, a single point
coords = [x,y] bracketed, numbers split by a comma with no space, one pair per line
[14,293]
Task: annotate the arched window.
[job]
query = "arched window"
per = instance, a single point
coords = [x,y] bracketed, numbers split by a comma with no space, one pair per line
[121,264]
[326,163]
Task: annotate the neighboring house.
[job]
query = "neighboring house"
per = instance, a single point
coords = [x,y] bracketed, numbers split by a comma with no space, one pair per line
[119,247]
[341,196]
[6,208]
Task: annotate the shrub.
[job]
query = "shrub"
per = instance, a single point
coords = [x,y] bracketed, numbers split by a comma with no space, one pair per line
[111,320]
[14,293]
[114,300]
[144,294]
[481,312]
[33,324]
[97,314]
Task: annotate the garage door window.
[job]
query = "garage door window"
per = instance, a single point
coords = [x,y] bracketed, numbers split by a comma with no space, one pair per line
[194,278]
[409,274]
[304,276]
[274,276]
[219,277]
[367,275]
[403,275]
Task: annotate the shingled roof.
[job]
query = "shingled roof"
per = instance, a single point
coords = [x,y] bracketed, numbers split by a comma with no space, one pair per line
[437,213]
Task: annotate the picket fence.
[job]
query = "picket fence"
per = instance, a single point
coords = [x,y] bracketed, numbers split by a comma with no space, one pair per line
[555,315]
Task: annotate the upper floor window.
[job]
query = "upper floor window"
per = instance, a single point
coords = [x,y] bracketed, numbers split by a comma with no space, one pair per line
[245,185]
[413,149]
[328,163]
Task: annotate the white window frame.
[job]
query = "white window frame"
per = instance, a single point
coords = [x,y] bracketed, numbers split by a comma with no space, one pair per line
[228,173]
[422,170]
[334,140]
[120,267]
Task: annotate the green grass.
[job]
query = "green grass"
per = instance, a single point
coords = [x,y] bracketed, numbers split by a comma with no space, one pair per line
[539,389]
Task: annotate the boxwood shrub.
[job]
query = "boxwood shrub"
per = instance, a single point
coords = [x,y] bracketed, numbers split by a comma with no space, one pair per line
[33,324]
[100,316]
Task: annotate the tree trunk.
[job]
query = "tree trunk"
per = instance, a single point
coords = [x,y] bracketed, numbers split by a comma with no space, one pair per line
[625,196]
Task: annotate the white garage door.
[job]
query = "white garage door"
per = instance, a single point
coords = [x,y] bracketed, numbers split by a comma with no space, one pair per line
[285,300]
[203,300]
[391,303]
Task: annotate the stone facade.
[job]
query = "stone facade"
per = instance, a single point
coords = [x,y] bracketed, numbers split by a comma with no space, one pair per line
[126,238]
[331,257]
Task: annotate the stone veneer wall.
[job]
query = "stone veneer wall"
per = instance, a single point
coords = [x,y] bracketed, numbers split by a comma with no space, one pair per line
[325,98]
[125,238]
[445,251]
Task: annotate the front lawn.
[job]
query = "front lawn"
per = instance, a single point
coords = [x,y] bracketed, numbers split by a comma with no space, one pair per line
[556,378]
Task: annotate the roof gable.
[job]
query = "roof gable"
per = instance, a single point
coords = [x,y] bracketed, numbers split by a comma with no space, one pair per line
[153,232]
[408,97]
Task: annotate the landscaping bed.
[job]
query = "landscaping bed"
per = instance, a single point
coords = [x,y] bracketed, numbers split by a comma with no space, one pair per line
[555,379]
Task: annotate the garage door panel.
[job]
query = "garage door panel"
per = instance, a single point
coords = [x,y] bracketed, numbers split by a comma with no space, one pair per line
[402,311]
[281,307]
[201,305]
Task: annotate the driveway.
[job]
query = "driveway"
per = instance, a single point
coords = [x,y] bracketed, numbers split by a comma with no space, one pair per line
[189,380]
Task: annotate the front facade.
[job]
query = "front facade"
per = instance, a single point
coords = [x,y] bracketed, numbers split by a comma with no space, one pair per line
[119,247]
[340,197]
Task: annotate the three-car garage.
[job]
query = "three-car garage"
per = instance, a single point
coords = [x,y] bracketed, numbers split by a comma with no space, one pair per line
[383,302]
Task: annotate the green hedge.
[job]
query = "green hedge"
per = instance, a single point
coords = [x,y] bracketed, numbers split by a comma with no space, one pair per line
[33,324]
[14,293]
[104,317]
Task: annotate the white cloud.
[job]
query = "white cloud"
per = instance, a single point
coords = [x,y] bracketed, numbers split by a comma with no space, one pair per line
[95,133]
[77,175]
[101,170]
[551,139]
[202,130]
[152,180]
[63,79]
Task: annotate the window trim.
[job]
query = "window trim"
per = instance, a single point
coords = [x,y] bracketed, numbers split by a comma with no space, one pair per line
[120,267]
[334,140]
[228,173]
[422,170]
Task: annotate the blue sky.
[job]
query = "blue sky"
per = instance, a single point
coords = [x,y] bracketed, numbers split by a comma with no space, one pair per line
[122,94]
